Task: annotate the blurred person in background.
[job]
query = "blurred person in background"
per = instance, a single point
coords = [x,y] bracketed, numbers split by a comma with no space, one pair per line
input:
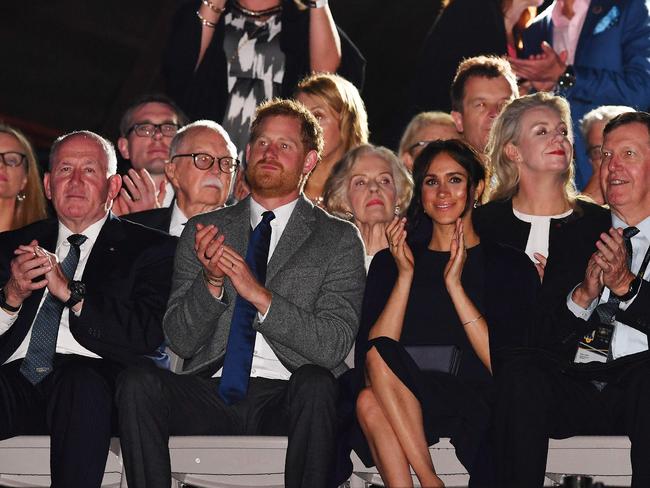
[22,200]
[425,127]
[146,130]
[591,127]
[481,87]
[369,187]
[225,58]
[341,113]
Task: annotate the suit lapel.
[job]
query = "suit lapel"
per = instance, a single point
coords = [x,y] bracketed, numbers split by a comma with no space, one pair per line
[237,227]
[109,244]
[597,10]
[297,231]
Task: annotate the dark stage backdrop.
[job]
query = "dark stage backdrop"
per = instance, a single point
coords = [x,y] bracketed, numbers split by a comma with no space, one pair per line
[73,64]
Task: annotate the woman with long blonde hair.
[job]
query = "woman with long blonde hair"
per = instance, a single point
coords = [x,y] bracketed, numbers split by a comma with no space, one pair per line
[532,200]
[22,200]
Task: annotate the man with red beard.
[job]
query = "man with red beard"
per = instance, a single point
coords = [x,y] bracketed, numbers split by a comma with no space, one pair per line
[264,309]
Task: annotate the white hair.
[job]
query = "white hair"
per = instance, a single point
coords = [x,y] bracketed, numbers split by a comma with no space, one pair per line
[202,124]
[105,144]
[604,113]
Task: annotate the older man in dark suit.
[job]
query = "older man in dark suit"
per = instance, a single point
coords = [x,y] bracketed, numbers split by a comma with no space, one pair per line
[262,344]
[607,389]
[201,169]
[82,296]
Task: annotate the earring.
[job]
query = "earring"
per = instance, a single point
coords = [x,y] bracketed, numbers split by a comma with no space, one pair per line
[21,196]
[475,204]
[397,210]
[349,215]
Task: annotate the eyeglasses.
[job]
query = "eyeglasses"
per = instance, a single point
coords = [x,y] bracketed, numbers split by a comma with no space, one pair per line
[149,130]
[12,159]
[205,161]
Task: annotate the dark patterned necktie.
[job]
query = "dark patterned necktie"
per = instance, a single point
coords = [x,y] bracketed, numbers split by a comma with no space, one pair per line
[37,363]
[607,311]
[241,338]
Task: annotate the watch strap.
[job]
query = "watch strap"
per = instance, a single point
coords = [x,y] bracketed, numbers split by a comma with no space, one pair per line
[5,305]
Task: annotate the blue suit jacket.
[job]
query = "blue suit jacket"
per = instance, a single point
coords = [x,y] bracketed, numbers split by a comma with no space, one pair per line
[612,62]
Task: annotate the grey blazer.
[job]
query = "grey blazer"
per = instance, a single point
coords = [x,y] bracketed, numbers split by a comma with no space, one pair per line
[316,276]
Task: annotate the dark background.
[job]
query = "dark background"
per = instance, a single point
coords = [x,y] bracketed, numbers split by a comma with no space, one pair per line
[73,64]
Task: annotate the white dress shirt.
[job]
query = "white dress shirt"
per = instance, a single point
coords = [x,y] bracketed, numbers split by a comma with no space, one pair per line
[265,363]
[540,228]
[626,340]
[169,194]
[566,32]
[178,221]
[65,342]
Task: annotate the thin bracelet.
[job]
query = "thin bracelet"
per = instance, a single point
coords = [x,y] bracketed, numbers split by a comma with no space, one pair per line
[205,21]
[218,282]
[473,320]
[213,7]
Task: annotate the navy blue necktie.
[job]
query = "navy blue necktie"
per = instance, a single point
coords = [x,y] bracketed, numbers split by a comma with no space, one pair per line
[241,339]
[37,363]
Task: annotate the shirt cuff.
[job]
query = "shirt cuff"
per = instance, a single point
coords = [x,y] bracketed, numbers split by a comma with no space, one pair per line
[260,317]
[577,310]
[7,320]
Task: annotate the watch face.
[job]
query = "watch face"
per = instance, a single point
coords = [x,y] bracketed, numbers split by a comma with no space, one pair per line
[78,288]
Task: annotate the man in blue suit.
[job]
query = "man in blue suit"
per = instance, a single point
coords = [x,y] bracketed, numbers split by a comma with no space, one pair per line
[593,52]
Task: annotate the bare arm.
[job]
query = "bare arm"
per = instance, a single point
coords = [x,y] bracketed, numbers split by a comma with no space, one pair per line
[211,13]
[473,322]
[391,319]
[324,41]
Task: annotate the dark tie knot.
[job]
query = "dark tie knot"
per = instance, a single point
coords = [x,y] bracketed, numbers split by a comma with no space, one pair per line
[267,217]
[630,232]
[77,240]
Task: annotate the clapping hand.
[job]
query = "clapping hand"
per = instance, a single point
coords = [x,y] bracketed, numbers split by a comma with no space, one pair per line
[208,245]
[26,267]
[396,235]
[141,194]
[454,268]
[542,69]
[540,265]
[612,259]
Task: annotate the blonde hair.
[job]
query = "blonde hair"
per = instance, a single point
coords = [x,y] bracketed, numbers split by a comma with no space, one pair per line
[34,206]
[344,99]
[503,172]
[335,192]
[417,123]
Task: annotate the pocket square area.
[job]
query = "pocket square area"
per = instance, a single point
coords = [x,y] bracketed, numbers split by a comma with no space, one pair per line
[609,20]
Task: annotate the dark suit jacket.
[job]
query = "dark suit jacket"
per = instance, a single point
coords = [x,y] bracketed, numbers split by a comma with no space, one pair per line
[316,276]
[127,276]
[572,240]
[612,62]
[156,218]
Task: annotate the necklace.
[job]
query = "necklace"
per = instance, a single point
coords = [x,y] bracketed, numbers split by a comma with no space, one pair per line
[256,14]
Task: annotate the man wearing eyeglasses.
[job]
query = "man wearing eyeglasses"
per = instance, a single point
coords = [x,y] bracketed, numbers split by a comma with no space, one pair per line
[146,130]
[201,170]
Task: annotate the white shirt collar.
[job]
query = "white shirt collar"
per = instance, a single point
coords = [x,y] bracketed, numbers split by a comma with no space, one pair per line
[91,232]
[643,226]
[178,220]
[282,214]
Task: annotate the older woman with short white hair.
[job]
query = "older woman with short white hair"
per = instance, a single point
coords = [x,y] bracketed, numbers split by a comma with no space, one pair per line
[369,186]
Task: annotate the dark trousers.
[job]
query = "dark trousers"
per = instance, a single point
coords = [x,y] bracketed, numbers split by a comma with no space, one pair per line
[74,405]
[154,404]
[537,400]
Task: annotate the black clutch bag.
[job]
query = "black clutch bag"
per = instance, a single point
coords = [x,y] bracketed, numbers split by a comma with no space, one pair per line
[441,358]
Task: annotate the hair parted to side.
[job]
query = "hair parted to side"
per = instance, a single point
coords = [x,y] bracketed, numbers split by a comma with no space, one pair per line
[182,133]
[311,133]
[105,144]
[628,118]
[126,122]
[604,113]
[34,206]
[335,192]
[484,66]
[461,152]
[421,120]
[344,99]
[504,174]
